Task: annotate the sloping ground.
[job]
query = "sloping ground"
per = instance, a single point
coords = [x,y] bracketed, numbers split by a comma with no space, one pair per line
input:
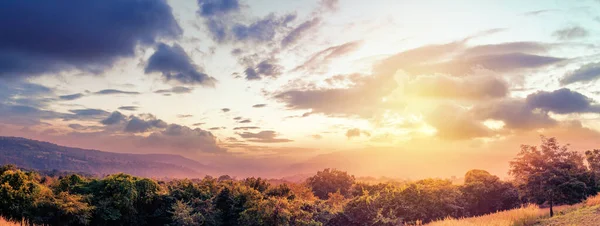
[525,216]
[586,216]
[44,156]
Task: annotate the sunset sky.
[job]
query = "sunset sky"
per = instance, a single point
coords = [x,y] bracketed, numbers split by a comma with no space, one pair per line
[402,88]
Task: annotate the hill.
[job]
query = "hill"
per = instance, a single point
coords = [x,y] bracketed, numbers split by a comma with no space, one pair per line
[40,155]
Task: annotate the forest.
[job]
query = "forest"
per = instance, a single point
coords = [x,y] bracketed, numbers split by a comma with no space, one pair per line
[549,174]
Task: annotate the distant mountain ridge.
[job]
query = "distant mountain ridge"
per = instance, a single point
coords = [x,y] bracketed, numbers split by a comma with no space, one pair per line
[41,155]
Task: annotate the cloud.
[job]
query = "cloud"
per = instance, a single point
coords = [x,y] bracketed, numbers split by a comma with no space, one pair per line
[356,132]
[363,98]
[456,123]
[89,112]
[298,32]
[266,68]
[140,125]
[267,136]
[237,118]
[175,64]
[225,109]
[514,113]
[224,27]
[246,128]
[263,30]
[259,105]
[115,91]
[175,90]
[245,121]
[316,136]
[214,128]
[129,108]
[184,116]
[570,33]
[91,46]
[114,118]
[585,73]
[217,7]
[184,139]
[71,97]
[562,101]
[320,59]
[330,5]
[467,87]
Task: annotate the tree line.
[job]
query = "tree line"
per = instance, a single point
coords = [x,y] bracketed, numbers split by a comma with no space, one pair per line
[548,174]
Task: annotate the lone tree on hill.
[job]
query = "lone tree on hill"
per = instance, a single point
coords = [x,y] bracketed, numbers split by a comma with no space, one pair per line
[552,174]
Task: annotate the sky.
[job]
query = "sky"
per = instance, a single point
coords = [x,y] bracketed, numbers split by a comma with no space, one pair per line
[399,88]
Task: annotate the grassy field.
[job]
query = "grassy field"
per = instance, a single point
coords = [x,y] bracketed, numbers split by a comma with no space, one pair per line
[583,214]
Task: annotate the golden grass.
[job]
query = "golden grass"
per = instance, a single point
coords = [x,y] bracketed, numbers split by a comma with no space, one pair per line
[593,201]
[7,223]
[524,216]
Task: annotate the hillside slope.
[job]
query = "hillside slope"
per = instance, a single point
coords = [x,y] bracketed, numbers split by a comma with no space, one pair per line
[40,155]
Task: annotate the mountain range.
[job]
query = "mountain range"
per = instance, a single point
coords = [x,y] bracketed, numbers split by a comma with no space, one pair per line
[39,155]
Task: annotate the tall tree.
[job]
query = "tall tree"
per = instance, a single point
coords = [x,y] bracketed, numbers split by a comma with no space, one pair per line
[485,193]
[330,181]
[552,174]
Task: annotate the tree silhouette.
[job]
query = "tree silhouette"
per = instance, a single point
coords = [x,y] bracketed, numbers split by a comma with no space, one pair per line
[552,174]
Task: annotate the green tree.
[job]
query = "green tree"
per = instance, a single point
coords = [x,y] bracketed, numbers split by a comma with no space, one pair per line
[184,215]
[330,181]
[552,174]
[485,193]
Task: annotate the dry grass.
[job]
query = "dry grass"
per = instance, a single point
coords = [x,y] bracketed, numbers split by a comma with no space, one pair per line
[593,201]
[6,223]
[525,216]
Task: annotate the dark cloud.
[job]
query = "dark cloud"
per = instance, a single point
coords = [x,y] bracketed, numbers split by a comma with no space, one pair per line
[246,128]
[174,64]
[184,116]
[263,30]
[97,34]
[77,126]
[562,101]
[569,33]
[323,57]
[259,105]
[224,27]
[586,73]
[266,136]
[114,118]
[89,112]
[140,125]
[214,128]
[356,132]
[115,91]
[298,32]
[237,118]
[515,113]
[225,109]
[217,7]
[198,124]
[467,87]
[175,90]
[266,68]
[245,121]
[129,108]
[71,97]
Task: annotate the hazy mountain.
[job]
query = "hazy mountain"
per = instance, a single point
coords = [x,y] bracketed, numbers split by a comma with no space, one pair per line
[40,155]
